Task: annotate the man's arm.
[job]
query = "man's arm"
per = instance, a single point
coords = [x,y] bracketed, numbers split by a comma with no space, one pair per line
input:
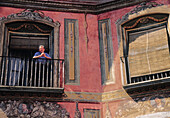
[42,55]
[34,57]
[47,56]
[37,56]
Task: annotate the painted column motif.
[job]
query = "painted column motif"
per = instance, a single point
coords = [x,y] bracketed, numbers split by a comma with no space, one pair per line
[71,51]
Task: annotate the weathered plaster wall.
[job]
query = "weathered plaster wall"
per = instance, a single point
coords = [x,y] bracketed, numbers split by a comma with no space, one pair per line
[125,107]
[90,75]
[114,16]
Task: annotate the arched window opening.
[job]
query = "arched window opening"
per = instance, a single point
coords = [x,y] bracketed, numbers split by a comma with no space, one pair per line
[21,35]
[146,49]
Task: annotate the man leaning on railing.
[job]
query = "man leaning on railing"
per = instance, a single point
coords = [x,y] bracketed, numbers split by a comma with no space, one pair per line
[43,67]
[41,55]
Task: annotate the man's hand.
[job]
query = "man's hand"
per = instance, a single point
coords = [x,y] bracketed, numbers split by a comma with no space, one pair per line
[43,55]
[46,56]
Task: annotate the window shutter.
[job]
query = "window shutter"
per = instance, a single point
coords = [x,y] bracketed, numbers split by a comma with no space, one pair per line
[148,52]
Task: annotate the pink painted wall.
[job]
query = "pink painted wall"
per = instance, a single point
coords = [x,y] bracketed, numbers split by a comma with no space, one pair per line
[114,16]
[71,107]
[90,73]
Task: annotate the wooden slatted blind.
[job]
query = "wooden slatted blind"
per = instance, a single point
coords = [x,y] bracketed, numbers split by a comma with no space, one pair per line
[148,52]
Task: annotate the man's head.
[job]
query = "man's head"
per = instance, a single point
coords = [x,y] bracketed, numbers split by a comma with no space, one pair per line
[41,48]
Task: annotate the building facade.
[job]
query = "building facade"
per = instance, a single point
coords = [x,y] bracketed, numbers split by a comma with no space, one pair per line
[110,59]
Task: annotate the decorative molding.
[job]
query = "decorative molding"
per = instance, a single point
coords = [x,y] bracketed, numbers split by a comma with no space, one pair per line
[30,14]
[84,96]
[145,20]
[145,107]
[33,109]
[114,95]
[96,97]
[81,7]
[141,7]
[29,27]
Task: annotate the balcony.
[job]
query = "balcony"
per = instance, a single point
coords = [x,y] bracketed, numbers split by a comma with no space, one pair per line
[31,75]
[151,77]
[146,82]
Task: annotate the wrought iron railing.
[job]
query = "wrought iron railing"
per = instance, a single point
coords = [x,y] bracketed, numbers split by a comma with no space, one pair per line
[39,73]
[150,77]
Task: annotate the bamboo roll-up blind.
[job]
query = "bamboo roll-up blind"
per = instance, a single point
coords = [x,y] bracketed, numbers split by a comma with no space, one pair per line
[148,51]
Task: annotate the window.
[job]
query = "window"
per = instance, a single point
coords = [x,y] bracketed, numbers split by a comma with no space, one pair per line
[106,51]
[91,113]
[71,51]
[17,67]
[21,36]
[146,49]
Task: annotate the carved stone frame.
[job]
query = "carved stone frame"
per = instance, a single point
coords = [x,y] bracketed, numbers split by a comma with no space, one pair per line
[33,16]
[30,15]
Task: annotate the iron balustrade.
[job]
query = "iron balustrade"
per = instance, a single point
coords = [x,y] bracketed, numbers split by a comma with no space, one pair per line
[150,77]
[43,73]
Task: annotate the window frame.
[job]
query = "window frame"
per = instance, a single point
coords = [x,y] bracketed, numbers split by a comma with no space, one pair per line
[54,35]
[91,110]
[76,80]
[125,44]
[105,81]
